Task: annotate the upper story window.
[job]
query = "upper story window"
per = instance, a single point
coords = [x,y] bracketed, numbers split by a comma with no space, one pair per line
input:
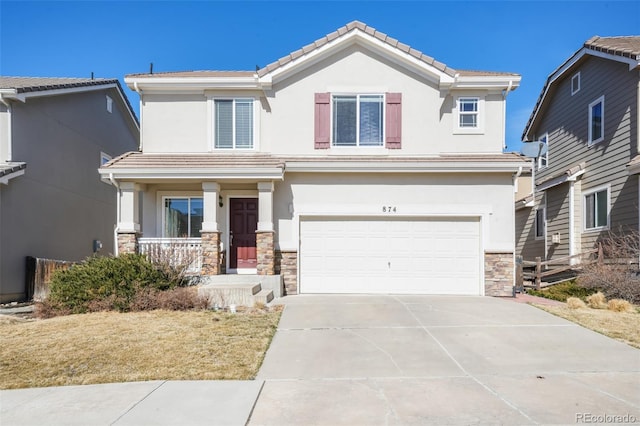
[109,104]
[543,160]
[540,222]
[182,217]
[468,115]
[596,209]
[233,124]
[468,112]
[596,120]
[575,83]
[358,120]
[104,158]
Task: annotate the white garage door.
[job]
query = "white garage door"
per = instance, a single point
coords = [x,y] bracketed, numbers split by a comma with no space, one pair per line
[364,255]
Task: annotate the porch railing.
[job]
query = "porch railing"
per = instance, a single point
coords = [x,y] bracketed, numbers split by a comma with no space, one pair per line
[176,252]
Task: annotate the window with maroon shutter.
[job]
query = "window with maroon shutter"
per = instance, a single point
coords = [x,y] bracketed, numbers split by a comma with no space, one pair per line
[394,120]
[322,125]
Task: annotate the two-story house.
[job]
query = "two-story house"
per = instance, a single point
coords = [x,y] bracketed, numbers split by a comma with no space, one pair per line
[54,135]
[586,185]
[356,164]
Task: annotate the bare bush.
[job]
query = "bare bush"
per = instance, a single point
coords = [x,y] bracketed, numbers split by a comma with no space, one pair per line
[176,299]
[619,305]
[575,303]
[597,301]
[616,274]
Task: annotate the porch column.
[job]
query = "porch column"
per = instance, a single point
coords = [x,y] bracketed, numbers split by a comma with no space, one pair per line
[265,233]
[210,232]
[128,218]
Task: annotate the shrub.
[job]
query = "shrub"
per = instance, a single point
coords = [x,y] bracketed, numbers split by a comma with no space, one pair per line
[616,275]
[176,299]
[619,305]
[597,301]
[561,292]
[575,303]
[104,283]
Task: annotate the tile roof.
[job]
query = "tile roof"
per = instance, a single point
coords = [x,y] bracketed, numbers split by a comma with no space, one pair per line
[352,26]
[627,46]
[139,160]
[36,84]
[8,168]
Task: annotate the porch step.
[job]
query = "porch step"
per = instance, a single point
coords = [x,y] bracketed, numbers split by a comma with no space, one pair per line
[223,295]
[264,296]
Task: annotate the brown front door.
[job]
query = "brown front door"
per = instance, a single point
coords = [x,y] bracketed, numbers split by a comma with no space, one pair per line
[244,222]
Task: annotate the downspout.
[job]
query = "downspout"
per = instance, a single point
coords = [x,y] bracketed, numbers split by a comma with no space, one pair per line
[504,114]
[572,220]
[9,142]
[117,227]
[139,92]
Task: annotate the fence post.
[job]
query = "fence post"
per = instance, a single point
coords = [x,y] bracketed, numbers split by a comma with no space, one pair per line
[538,272]
[600,253]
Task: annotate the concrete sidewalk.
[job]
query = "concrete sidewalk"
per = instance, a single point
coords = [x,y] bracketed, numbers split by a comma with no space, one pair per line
[137,403]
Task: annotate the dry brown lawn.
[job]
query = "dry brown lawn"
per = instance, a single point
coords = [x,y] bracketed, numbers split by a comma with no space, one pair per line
[622,326]
[111,347]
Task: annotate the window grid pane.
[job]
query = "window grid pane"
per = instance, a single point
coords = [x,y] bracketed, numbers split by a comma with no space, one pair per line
[596,121]
[224,124]
[244,124]
[344,120]
[371,120]
[468,112]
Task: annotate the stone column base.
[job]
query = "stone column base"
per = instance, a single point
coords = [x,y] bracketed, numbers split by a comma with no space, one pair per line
[287,266]
[127,242]
[265,252]
[210,253]
[499,273]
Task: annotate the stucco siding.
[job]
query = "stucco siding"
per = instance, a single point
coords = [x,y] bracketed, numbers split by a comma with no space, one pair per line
[60,205]
[285,114]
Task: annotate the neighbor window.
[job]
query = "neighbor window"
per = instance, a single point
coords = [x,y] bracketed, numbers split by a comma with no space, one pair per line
[540,222]
[182,217]
[468,112]
[543,160]
[358,120]
[109,104]
[233,123]
[596,209]
[575,84]
[104,158]
[596,121]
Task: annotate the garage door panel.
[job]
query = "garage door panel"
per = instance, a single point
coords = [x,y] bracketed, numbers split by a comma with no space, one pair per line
[417,256]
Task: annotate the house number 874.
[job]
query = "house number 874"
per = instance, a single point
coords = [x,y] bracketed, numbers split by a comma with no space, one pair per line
[388,209]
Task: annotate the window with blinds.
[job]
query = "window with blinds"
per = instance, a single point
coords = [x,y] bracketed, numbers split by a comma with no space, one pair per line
[233,123]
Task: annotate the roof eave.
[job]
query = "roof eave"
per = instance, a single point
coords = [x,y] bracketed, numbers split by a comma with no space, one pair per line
[404,167]
[226,173]
[191,83]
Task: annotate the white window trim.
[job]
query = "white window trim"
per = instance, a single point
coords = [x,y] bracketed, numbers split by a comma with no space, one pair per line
[584,209]
[591,105]
[256,122]
[479,129]
[384,123]
[545,136]
[576,77]
[161,196]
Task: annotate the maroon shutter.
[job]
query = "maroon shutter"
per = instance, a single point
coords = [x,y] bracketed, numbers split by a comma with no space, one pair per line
[394,120]
[322,121]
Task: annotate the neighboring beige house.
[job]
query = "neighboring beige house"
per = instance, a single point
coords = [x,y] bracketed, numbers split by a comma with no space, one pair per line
[356,164]
[54,134]
[587,184]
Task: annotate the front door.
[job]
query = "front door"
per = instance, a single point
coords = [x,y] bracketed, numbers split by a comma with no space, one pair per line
[242,235]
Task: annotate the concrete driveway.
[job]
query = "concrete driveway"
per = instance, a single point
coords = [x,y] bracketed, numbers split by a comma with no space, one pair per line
[367,360]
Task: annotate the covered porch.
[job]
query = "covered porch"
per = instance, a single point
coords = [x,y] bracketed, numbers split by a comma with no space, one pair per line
[212,214]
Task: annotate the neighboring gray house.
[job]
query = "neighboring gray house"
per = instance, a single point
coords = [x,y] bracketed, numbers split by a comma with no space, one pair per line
[54,134]
[587,184]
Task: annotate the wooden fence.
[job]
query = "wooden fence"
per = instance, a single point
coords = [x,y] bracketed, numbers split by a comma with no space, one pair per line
[561,264]
[39,273]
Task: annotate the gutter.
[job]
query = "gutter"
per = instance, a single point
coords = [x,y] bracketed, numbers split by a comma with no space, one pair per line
[504,114]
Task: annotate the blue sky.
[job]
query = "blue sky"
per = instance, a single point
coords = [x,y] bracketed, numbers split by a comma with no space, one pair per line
[112,39]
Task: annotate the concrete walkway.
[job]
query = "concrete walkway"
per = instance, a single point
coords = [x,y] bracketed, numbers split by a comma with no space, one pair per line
[369,360]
